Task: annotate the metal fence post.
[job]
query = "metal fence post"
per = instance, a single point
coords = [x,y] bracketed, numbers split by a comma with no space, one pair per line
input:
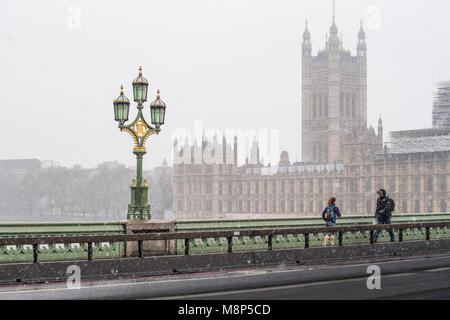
[269,243]
[230,244]
[90,251]
[427,233]
[140,249]
[372,238]
[187,250]
[400,235]
[35,253]
[341,236]
[306,240]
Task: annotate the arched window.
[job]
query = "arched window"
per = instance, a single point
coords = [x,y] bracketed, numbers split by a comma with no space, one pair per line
[347,103]
[430,184]
[300,206]
[320,107]
[314,107]
[320,151]
[416,206]
[353,107]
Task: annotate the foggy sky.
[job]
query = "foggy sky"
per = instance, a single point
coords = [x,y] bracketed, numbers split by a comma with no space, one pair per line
[230,64]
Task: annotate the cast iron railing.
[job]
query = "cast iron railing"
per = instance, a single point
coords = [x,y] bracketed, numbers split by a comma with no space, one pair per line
[187,236]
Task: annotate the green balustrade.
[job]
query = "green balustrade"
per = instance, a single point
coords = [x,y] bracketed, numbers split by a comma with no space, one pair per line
[52,252]
[298,241]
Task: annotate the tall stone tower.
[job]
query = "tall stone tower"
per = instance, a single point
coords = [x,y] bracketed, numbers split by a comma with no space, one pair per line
[334,96]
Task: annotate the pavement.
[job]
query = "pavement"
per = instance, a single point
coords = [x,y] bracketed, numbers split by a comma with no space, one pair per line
[413,277]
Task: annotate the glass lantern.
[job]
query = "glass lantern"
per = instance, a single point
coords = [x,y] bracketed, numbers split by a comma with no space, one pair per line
[158,111]
[140,86]
[121,108]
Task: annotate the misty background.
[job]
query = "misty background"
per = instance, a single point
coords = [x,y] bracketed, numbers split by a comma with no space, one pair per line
[30,191]
[229,64]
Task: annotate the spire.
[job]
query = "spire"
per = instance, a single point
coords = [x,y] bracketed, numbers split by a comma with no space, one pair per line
[333,29]
[333,43]
[306,47]
[362,47]
[224,149]
[334,12]
[380,128]
[361,33]
[306,34]
[235,160]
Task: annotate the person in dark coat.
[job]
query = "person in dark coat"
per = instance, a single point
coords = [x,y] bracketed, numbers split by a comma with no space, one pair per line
[383,213]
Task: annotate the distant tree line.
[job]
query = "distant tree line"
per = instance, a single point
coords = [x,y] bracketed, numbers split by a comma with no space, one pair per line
[102,192]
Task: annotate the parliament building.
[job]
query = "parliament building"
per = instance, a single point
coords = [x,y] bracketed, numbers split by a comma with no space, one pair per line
[341,155]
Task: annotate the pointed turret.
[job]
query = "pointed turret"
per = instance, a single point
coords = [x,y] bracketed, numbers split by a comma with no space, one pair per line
[333,28]
[306,33]
[380,129]
[306,47]
[235,160]
[333,43]
[224,149]
[362,47]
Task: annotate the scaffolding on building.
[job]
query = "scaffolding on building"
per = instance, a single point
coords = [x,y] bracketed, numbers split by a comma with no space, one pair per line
[441,106]
[417,141]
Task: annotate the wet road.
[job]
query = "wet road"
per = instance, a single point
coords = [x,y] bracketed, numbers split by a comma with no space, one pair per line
[424,277]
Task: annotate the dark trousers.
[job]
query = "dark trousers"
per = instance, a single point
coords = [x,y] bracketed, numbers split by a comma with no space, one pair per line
[384,221]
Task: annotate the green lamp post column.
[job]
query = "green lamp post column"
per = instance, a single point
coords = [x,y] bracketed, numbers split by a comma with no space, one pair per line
[140,131]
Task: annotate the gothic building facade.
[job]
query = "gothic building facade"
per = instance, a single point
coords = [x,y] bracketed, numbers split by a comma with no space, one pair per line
[342,157]
[334,97]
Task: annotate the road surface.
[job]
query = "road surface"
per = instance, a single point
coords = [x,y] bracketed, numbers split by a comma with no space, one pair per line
[418,277]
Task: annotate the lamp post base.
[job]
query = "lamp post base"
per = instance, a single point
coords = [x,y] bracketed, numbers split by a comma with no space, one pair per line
[139,209]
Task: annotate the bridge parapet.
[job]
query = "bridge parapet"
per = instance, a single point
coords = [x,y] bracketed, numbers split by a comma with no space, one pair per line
[241,242]
[441,228]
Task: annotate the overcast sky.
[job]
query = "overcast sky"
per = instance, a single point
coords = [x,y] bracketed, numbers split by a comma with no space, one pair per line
[229,64]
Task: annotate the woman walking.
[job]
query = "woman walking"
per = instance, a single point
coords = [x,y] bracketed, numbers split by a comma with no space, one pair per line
[329,215]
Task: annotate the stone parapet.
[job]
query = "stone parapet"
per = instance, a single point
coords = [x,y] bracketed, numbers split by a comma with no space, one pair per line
[156,247]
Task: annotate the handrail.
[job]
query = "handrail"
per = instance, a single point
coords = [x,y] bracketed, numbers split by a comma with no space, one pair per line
[35,241]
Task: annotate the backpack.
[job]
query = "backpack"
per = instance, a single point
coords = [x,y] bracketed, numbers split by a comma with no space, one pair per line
[329,213]
[391,204]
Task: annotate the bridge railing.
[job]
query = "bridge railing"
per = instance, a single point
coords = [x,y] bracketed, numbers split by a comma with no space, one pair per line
[229,235]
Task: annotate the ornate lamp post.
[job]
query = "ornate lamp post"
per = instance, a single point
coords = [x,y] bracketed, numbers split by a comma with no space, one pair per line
[140,131]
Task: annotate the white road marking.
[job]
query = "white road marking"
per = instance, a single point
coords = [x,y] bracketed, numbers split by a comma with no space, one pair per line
[319,283]
[438,269]
[384,262]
